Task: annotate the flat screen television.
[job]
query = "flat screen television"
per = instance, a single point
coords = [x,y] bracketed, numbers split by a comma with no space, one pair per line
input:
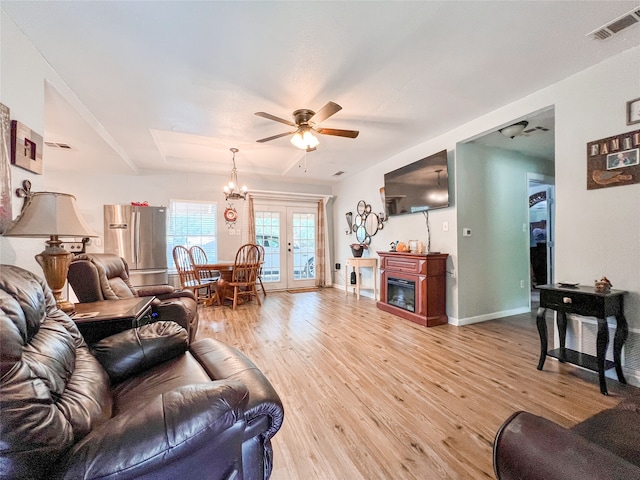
[417,187]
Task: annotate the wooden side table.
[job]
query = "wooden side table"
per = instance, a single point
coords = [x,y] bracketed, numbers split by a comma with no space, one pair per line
[97,320]
[359,262]
[587,302]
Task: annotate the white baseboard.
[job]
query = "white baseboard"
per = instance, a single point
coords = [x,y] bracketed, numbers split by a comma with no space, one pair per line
[490,316]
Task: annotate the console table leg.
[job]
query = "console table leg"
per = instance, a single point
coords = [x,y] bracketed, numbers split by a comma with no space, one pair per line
[601,348]
[562,334]
[542,331]
[622,331]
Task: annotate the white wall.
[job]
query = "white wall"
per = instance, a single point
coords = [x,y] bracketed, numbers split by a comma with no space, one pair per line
[494,205]
[588,106]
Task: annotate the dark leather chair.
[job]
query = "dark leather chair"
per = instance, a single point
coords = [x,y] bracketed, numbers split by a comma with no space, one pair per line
[605,446]
[141,404]
[104,276]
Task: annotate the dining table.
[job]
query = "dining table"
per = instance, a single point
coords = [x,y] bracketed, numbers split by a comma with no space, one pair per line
[224,267]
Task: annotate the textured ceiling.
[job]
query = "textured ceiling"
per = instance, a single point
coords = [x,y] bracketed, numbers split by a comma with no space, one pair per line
[173,85]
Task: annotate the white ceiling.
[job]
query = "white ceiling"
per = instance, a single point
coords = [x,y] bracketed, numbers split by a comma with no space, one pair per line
[171,86]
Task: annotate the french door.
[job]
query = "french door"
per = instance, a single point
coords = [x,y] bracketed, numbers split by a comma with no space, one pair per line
[288,234]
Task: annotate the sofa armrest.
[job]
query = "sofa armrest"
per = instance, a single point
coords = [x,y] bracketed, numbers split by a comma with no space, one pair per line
[264,413]
[138,349]
[193,430]
[163,292]
[528,447]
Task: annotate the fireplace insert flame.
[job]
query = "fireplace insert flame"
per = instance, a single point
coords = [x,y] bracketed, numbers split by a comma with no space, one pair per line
[401,293]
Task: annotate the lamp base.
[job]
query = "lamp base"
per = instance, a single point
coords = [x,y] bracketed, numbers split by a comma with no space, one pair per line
[55,262]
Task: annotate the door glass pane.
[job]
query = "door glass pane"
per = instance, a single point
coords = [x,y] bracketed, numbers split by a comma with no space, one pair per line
[304,245]
[268,235]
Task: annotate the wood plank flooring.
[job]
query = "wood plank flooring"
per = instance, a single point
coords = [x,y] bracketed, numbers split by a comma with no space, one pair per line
[369,395]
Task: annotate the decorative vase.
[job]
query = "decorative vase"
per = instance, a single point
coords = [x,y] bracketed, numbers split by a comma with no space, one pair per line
[356,250]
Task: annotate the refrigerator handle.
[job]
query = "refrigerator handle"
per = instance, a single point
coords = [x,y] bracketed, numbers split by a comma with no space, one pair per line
[136,237]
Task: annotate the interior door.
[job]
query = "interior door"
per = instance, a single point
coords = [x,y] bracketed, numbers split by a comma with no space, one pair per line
[288,235]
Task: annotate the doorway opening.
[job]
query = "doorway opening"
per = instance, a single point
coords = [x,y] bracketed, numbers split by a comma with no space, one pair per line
[541,231]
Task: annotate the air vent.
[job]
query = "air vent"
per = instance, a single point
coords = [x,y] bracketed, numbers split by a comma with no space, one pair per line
[529,131]
[58,145]
[616,25]
[338,173]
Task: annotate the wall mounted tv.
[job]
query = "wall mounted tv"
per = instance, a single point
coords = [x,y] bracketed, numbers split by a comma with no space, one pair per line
[419,186]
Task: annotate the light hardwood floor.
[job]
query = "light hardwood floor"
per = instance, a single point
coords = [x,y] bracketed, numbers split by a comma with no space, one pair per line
[368,395]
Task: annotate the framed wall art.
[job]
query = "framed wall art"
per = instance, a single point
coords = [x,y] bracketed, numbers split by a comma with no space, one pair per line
[614,161]
[26,148]
[633,111]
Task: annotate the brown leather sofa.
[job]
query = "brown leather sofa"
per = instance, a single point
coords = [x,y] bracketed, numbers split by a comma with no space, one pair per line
[142,404]
[606,446]
[104,276]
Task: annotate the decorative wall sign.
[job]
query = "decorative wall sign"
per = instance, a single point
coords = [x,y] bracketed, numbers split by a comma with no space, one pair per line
[614,161]
[5,169]
[26,148]
[230,216]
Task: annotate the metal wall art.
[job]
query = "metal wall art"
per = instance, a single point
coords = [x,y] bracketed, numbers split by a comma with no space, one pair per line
[365,224]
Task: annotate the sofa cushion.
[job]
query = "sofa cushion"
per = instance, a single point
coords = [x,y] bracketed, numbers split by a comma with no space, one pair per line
[140,389]
[617,430]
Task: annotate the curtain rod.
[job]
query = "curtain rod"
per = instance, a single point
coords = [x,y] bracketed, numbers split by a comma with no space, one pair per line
[269,193]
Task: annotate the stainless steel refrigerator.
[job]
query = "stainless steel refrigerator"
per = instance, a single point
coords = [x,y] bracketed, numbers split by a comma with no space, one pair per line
[139,235]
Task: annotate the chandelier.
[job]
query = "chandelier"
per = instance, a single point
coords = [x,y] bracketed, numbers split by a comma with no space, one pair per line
[232,191]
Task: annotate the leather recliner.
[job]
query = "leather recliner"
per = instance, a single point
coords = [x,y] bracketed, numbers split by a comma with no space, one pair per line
[105,276]
[605,446]
[140,404]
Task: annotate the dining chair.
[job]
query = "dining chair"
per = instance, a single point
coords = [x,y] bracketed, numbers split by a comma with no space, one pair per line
[199,257]
[244,275]
[261,262]
[189,278]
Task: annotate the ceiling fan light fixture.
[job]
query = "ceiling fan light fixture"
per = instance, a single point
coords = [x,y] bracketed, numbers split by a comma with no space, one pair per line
[304,139]
[514,130]
[231,191]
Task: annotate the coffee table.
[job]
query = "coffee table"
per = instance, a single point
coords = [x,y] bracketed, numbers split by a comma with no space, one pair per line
[97,320]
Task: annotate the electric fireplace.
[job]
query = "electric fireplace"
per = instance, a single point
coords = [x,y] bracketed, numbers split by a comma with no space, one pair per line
[413,286]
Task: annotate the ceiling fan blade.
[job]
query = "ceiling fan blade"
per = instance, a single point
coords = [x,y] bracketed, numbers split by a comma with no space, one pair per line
[277,119]
[337,132]
[325,112]
[262,140]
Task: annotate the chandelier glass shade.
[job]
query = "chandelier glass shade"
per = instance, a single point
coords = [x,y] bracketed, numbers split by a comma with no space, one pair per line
[232,190]
[304,139]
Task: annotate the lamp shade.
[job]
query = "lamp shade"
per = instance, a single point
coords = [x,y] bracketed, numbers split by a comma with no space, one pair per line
[50,213]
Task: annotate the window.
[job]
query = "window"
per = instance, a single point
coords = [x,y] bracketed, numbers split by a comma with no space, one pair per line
[192,223]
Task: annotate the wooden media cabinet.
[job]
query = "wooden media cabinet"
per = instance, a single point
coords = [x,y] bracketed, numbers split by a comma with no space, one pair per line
[414,286]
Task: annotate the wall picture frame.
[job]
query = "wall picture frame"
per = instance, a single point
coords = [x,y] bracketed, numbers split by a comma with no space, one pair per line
[26,148]
[633,111]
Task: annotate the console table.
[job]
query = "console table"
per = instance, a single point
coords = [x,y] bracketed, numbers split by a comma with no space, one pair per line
[587,302]
[414,286]
[97,320]
[357,263]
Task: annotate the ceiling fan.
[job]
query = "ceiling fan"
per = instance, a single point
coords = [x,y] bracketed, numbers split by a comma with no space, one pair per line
[306,124]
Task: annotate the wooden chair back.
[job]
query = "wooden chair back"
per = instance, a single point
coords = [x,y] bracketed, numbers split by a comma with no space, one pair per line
[189,278]
[261,262]
[198,255]
[244,274]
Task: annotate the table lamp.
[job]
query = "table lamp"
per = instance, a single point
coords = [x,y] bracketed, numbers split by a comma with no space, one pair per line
[53,215]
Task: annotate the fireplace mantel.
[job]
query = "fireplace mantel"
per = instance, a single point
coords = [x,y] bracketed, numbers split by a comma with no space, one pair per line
[426,275]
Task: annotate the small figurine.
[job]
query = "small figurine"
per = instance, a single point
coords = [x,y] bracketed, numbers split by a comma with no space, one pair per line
[603,286]
[392,246]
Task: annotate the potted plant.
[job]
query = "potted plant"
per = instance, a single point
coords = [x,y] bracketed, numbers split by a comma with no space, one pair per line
[357,249]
